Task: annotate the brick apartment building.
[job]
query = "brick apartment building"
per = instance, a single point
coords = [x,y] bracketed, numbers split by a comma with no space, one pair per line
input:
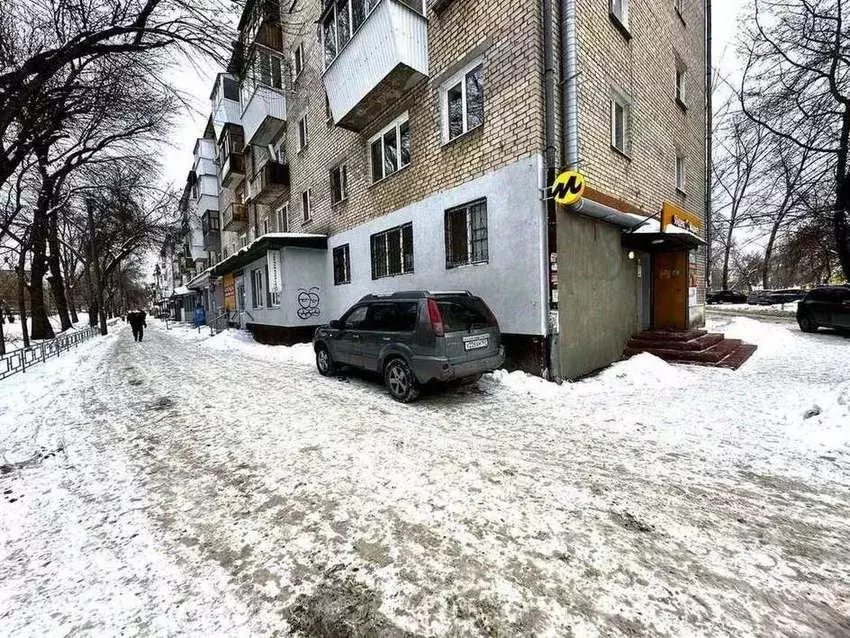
[367,146]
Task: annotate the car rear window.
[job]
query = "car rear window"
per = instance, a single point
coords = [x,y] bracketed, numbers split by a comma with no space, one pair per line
[463,313]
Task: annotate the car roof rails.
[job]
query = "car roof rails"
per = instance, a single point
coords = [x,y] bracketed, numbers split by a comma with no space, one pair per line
[413,294]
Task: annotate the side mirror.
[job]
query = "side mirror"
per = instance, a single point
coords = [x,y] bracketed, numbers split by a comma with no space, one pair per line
[335,324]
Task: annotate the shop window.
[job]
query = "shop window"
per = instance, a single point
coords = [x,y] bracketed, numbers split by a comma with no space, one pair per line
[257,294]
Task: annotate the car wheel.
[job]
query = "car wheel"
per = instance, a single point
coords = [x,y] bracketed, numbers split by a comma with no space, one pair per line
[324,362]
[400,381]
[806,324]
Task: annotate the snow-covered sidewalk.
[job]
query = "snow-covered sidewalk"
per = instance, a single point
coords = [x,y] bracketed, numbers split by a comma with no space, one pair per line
[198,485]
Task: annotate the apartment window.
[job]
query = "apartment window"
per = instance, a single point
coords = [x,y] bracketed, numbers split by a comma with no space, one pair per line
[342,265]
[340,23]
[389,150]
[466,234]
[339,183]
[298,59]
[307,204]
[329,118]
[463,102]
[680,173]
[392,252]
[265,225]
[282,214]
[257,294]
[681,83]
[303,133]
[243,240]
[620,12]
[620,124]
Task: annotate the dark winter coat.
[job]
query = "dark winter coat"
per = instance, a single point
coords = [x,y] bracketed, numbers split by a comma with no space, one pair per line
[137,319]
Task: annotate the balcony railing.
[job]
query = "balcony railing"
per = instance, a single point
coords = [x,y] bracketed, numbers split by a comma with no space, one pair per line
[264,116]
[235,217]
[385,56]
[263,25]
[233,169]
[269,183]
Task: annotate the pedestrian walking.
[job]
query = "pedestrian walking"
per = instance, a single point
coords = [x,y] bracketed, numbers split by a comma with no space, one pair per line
[200,316]
[136,318]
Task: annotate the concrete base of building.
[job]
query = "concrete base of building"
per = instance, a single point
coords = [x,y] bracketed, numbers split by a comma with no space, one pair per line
[525,352]
[281,335]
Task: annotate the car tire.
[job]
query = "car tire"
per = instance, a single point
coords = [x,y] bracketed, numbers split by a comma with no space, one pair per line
[400,381]
[324,362]
[806,324]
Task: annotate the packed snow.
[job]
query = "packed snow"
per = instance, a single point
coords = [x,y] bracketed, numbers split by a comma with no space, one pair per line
[191,484]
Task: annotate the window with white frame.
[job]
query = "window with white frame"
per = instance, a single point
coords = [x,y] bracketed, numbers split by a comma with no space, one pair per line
[268,69]
[462,99]
[303,133]
[342,265]
[265,225]
[257,288]
[283,218]
[243,240]
[466,234]
[272,297]
[681,82]
[392,251]
[298,60]
[342,20]
[339,183]
[389,150]
[620,10]
[680,173]
[621,116]
[307,204]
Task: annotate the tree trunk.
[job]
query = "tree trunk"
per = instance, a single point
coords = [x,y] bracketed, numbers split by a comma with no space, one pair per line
[103,330]
[841,224]
[41,328]
[72,307]
[2,336]
[57,282]
[22,284]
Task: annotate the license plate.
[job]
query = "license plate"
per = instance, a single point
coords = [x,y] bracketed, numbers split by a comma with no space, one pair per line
[474,344]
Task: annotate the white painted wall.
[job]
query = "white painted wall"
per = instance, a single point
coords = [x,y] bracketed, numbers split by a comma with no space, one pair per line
[512,282]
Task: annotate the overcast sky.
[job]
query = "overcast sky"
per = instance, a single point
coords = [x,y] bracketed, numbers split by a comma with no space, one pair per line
[197,85]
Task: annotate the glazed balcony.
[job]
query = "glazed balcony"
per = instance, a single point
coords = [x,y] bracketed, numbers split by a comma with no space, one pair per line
[210,231]
[225,102]
[269,183]
[261,25]
[232,170]
[234,217]
[264,116]
[384,58]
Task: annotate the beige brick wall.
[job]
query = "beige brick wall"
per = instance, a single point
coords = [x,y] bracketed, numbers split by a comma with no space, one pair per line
[508,31]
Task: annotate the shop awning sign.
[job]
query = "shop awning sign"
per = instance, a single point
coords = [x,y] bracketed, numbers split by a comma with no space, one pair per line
[568,188]
[673,215]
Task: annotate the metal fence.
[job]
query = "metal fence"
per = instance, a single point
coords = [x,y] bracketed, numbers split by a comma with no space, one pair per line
[19,360]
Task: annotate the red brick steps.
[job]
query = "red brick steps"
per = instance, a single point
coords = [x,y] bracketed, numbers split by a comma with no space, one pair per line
[691,346]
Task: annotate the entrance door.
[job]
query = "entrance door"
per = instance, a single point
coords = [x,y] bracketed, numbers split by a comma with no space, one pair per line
[670,290]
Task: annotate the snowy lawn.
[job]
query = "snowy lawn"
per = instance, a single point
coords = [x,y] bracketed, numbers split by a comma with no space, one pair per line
[14,336]
[744,309]
[189,484]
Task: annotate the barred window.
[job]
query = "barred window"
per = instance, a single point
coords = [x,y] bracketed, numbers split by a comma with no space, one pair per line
[466,234]
[392,252]
[342,265]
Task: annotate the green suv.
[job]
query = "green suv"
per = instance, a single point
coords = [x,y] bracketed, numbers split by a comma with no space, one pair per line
[413,338]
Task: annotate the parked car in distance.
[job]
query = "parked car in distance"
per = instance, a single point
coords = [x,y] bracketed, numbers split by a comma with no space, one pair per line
[769,297]
[413,338]
[786,295]
[827,307]
[725,296]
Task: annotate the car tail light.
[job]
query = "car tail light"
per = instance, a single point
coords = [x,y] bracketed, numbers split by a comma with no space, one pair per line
[436,317]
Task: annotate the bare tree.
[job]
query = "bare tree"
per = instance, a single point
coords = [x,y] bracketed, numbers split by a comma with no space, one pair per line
[796,84]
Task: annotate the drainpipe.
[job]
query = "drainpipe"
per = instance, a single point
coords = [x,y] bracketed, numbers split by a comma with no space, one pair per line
[551,367]
[569,83]
[709,115]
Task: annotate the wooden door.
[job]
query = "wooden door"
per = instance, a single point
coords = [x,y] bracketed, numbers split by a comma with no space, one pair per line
[670,290]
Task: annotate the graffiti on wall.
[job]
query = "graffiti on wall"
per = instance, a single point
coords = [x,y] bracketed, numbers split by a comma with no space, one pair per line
[308,303]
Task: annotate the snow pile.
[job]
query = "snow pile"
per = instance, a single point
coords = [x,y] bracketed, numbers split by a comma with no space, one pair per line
[773,310]
[524,383]
[643,370]
[241,342]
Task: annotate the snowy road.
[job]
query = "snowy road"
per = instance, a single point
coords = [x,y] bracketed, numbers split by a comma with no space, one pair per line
[209,486]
